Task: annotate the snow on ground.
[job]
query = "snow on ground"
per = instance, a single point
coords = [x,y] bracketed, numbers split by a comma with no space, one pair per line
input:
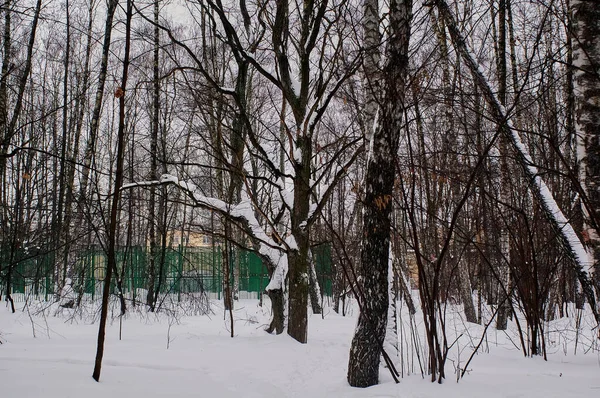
[204,361]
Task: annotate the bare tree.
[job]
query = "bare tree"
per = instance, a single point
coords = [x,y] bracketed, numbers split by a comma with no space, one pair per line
[116,197]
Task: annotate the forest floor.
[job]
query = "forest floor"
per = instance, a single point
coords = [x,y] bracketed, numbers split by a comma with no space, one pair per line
[202,360]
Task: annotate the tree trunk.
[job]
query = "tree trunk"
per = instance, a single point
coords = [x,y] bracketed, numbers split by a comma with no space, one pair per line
[6,61]
[277,307]
[59,234]
[90,149]
[363,366]
[371,60]
[504,260]
[586,59]
[298,257]
[152,224]
[314,289]
[80,108]
[390,343]
[466,292]
[114,209]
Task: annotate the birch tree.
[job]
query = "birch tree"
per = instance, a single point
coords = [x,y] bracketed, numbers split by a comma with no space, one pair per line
[586,60]
[367,343]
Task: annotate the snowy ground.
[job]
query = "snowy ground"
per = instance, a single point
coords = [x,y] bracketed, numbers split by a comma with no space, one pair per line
[204,361]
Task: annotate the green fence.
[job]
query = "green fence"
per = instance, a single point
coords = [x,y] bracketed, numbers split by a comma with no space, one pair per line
[176,270]
[30,270]
[322,258]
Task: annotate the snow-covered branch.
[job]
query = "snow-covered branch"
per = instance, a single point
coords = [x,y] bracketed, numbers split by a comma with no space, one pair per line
[242,213]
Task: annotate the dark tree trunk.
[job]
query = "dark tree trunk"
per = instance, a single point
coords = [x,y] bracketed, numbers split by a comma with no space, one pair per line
[59,234]
[90,149]
[6,60]
[298,257]
[277,307]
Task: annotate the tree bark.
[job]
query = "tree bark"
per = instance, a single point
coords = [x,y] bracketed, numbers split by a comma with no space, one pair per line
[371,60]
[298,256]
[314,289]
[6,60]
[504,261]
[367,343]
[151,296]
[586,59]
[277,324]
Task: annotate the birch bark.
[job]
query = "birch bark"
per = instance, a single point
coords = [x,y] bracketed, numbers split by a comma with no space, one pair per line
[586,59]
[367,343]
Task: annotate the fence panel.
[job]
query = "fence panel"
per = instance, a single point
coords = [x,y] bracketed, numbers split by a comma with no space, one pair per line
[184,270]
